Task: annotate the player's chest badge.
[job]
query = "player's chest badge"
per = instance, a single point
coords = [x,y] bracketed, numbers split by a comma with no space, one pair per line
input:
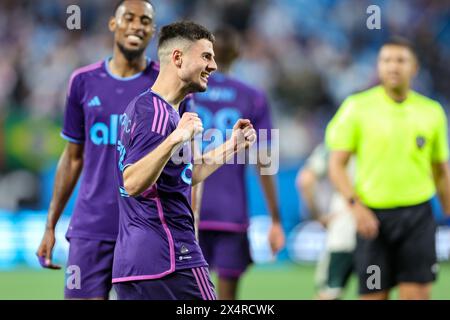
[420,141]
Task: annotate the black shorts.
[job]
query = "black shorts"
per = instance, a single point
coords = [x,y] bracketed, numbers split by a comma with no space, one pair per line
[404,250]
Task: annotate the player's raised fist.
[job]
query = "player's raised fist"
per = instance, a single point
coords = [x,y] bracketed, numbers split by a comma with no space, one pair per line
[190,124]
[243,134]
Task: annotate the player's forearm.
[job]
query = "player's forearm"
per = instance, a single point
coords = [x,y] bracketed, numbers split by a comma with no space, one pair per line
[197,193]
[67,174]
[213,160]
[268,186]
[196,198]
[139,176]
[441,174]
[338,174]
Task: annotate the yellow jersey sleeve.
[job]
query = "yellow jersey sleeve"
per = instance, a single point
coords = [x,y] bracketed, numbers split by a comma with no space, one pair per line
[440,152]
[342,131]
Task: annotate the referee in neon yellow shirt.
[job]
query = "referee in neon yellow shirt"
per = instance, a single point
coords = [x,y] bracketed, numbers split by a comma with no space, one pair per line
[399,138]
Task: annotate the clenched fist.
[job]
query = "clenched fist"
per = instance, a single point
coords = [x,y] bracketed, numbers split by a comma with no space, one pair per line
[244,136]
[189,125]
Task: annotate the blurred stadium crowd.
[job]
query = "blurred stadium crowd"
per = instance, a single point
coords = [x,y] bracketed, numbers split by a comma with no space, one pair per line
[308,55]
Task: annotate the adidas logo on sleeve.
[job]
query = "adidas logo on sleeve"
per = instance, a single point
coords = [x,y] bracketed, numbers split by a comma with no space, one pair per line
[94,102]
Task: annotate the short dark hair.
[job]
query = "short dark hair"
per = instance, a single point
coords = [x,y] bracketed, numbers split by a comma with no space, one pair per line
[186,30]
[120,2]
[402,42]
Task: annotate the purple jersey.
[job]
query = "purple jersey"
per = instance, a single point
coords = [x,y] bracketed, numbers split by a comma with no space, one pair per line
[95,100]
[224,202]
[156,229]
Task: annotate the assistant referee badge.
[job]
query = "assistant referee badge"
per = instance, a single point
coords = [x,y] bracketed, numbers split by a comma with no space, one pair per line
[420,141]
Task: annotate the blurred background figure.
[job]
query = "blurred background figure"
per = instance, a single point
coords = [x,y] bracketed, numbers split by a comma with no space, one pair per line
[400,141]
[307,56]
[336,262]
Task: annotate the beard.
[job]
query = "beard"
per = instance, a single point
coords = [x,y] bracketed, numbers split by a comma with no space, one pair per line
[129,54]
[195,87]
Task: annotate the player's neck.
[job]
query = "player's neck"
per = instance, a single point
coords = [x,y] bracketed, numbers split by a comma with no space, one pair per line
[121,67]
[170,88]
[397,94]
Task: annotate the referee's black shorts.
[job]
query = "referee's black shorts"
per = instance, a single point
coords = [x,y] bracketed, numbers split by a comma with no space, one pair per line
[404,250]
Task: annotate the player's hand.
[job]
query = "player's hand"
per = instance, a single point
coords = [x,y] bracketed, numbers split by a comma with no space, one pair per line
[244,136]
[45,250]
[276,237]
[190,124]
[367,223]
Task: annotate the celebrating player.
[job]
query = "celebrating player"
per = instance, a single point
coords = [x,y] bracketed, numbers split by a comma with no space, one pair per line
[223,211]
[157,255]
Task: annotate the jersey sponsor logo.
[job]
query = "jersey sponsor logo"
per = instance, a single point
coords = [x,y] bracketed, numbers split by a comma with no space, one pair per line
[218,94]
[94,102]
[222,120]
[105,133]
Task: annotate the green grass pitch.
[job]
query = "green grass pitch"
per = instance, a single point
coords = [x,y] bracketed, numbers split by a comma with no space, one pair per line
[265,282]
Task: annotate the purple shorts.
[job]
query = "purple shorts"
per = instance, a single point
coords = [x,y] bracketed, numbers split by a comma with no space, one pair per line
[228,253]
[188,284]
[89,269]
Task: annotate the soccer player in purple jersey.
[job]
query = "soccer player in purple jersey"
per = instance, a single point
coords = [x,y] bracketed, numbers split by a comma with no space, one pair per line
[97,95]
[157,255]
[223,211]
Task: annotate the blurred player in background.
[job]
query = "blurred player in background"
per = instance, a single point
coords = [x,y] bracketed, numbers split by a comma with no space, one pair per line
[399,138]
[97,96]
[336,263]
[223,210]
[157,255]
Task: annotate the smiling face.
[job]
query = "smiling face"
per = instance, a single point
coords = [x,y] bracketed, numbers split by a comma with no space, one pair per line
[197,65]
[133,27]
[397,66]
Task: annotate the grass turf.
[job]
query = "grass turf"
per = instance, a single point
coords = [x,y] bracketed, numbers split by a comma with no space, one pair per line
[268,282]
